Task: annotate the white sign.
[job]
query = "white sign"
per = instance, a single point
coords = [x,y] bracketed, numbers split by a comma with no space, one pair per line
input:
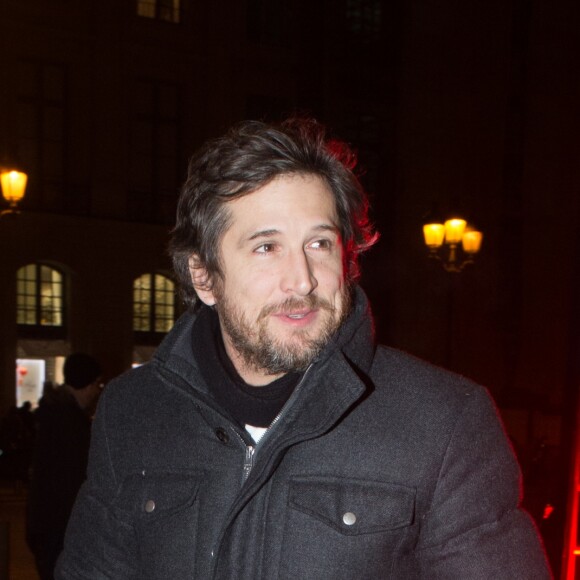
[30,377]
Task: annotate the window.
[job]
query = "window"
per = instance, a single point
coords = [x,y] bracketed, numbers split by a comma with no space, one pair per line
[153,304]
[39,297]
[363,19]
[166,10]
[363,131]
[155,152]
[270,23]
[42,131]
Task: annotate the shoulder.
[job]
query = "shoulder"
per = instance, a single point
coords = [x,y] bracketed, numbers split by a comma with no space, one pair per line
[129,383]
[422,390]
[131,392]
[172,369]
[149,394]
[55,403]
[393,364]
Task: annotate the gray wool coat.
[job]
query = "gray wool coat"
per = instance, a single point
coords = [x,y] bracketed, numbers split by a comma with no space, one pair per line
[380,466]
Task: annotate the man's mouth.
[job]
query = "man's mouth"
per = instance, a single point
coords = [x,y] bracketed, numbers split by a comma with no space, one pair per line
[302,316]
[297,316]
[296,311]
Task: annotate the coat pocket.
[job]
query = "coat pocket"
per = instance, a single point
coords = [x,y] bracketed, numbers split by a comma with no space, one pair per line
[164,511]
[344,528]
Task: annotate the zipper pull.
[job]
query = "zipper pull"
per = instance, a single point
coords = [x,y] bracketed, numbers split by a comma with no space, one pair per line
[248,461]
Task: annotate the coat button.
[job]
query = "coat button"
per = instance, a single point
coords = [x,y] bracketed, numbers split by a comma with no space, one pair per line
[222,435]
[149,506]
[349,518]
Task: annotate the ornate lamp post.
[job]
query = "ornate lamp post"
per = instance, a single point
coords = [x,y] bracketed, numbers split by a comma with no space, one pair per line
[453,243]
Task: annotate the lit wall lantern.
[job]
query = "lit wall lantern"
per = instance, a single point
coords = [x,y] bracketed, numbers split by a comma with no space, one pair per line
[13,184]
[434,235]
[471,241]
[445,240]
[454,229]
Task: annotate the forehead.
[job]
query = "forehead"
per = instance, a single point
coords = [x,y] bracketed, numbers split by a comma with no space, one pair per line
[287,201]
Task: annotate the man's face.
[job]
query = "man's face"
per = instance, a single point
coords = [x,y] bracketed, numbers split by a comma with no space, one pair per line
[282,293]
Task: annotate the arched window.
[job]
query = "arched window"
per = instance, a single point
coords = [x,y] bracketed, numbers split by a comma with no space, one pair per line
[40,291]
[166,10]
[153,304]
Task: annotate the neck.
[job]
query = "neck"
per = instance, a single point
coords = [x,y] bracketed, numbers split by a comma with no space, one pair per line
[252,376]
[81,396]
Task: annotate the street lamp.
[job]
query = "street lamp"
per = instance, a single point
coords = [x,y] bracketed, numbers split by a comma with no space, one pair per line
[444,242]
[13,184]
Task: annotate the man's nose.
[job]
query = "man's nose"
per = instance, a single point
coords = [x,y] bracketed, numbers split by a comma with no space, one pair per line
[298,276]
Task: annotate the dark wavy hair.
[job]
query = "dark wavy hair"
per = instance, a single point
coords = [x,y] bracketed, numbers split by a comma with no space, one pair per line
[247,157]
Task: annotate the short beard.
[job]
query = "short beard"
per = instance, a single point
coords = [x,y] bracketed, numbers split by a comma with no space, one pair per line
[264,353]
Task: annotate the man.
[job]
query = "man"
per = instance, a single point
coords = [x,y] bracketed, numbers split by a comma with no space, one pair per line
[269,437]
[59,463]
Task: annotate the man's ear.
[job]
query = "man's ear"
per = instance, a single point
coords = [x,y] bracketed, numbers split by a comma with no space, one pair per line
[201,280]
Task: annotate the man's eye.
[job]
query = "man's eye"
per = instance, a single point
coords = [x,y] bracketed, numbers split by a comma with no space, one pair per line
[265,249]
[321,245]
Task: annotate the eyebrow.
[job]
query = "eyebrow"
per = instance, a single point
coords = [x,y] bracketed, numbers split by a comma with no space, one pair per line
[263,234]
[272,232]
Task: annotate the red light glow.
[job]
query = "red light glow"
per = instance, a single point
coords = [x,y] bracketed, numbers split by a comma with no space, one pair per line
[548,509]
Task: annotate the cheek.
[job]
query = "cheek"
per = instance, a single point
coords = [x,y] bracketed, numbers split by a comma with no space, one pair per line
[338,268]
[252,286]
[331,280]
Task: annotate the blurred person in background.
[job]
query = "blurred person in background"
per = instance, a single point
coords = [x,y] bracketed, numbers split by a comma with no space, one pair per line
[59,462]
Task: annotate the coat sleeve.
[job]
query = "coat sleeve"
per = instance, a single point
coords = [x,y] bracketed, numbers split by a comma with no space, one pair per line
[99,544]
[475,527]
